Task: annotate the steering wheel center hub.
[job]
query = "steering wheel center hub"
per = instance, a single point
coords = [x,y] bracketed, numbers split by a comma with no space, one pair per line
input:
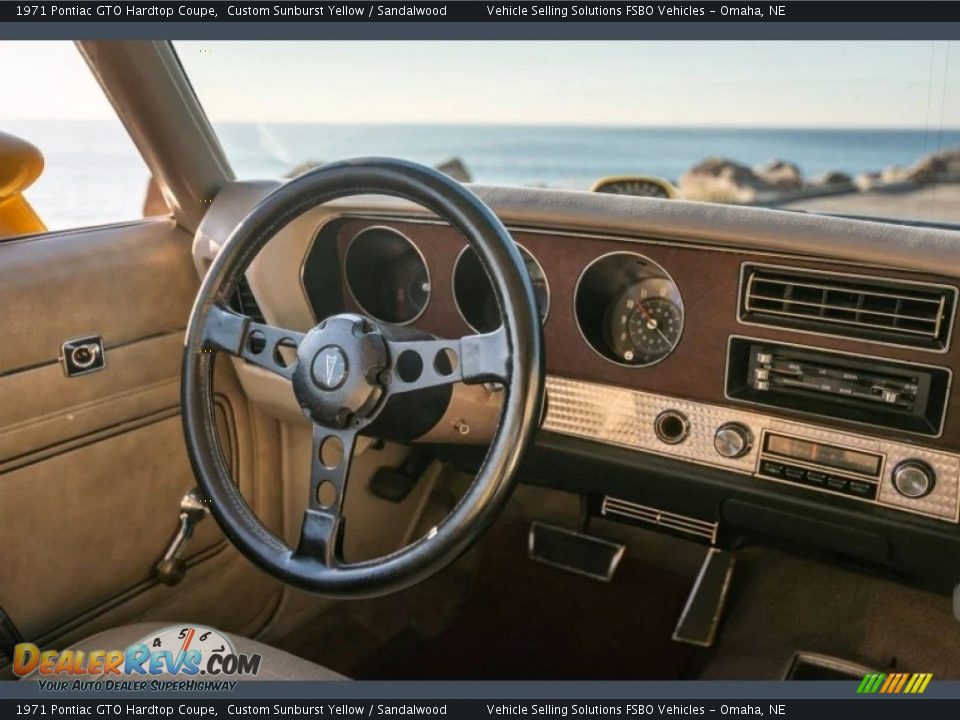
[338,367]
[330,368]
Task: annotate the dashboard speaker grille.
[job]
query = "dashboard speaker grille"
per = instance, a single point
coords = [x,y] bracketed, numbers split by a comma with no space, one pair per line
[876,309]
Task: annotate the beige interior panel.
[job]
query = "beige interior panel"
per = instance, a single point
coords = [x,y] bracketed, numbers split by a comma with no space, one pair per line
[92,468]
[124,282]
[43,407]
[97,519]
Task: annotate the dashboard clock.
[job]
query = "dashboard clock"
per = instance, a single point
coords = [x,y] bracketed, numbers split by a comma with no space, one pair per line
[645,322]
[629,309]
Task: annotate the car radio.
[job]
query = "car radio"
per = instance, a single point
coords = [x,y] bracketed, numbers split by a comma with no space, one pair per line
[824,466]
[871,391]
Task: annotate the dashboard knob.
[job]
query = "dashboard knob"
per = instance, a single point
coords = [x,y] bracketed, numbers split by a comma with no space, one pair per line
[733,440]
[914,478]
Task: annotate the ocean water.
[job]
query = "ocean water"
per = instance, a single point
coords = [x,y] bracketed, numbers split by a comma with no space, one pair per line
[94,174]
[574,157]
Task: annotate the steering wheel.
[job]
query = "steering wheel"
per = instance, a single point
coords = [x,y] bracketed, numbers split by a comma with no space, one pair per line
[347,367]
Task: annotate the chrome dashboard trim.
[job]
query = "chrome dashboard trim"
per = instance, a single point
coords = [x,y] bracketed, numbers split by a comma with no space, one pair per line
[920,283]
[624,417]
[861,356]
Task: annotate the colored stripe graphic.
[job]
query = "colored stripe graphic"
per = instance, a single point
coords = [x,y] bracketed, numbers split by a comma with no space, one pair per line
[894,683]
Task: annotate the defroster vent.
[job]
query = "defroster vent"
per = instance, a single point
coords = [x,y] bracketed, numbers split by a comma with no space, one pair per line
[895,312]
[245,303]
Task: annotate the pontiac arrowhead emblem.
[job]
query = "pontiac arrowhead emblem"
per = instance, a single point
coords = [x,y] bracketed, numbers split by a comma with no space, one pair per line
[330,368]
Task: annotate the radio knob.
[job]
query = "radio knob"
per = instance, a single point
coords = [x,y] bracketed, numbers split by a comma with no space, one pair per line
[914,478]
[733,440]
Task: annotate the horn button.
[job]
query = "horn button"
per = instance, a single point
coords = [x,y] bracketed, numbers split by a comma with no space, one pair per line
[338,367]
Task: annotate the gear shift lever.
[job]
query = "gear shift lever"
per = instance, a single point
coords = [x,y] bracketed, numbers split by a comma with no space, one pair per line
[193,508]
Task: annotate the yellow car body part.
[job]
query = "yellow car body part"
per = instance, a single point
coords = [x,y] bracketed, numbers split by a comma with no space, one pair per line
[21,163]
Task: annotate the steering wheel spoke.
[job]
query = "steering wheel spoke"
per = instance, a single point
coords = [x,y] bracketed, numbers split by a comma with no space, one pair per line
[321,533]
[420,364]
[269,347]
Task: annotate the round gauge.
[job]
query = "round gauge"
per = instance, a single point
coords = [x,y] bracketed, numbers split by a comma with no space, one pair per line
[474,296]
[387,275]
[629,309]
[644,325]
[636,186]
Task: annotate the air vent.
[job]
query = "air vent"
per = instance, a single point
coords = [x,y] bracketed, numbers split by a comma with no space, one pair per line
[244,302]
[895,312]
[661,518]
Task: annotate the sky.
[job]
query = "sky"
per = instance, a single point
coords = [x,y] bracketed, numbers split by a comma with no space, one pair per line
[741,84]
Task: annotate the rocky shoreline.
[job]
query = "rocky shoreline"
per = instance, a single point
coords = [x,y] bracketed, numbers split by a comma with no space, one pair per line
[718,179]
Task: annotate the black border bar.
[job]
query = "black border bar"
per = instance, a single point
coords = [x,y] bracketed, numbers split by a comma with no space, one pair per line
[486,11]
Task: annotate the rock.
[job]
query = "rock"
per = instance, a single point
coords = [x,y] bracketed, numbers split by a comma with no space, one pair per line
[951,161]
[455,168]
[928,169]
[719,179]
[940,167]
[781,174]
[893,174]
[867,180]
[833,177]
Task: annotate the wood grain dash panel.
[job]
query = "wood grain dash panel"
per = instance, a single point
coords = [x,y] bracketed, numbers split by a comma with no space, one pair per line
[708,279]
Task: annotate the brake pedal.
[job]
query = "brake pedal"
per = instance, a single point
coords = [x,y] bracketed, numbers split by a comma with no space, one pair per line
[701,615]
[573,551]
[815,666]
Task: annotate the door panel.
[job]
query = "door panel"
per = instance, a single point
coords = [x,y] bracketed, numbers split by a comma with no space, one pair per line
[92,467]
[125,282]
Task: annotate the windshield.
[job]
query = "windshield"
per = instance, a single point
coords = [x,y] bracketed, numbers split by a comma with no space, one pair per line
[870,128]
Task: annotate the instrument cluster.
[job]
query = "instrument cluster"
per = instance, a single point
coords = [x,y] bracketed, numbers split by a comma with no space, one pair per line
[627,307]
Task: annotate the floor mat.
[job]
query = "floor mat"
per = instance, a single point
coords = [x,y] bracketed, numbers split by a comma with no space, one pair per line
[526,620]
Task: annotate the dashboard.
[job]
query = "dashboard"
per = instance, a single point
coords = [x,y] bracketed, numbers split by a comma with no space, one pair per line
[717,388]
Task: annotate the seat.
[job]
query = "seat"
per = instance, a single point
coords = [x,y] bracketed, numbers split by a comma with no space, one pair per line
[276,664]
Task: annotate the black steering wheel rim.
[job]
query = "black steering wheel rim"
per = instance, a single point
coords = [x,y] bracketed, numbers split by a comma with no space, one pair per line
[523,395]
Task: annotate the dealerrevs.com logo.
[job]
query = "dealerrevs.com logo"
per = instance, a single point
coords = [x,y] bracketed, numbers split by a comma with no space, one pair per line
[182,652]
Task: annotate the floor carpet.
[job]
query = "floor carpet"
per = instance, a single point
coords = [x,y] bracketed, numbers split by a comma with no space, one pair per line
[526,620]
